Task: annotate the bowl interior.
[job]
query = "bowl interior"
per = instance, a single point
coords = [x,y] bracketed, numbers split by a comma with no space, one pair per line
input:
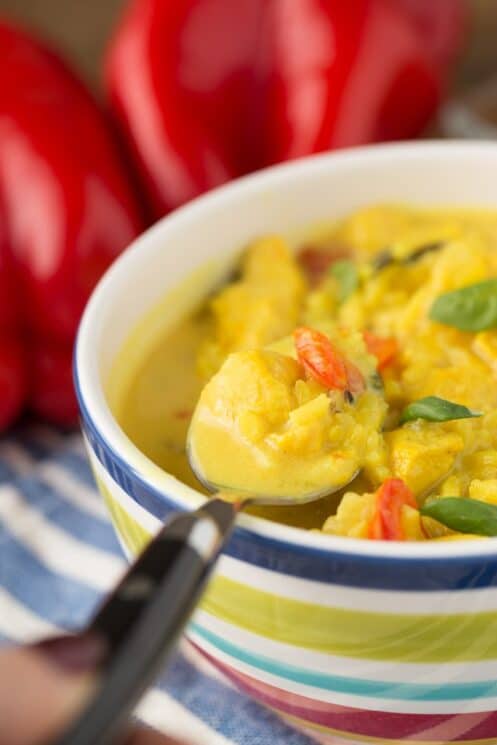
[210,232]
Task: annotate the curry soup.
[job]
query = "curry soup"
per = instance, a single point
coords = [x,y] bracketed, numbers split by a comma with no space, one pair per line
[405,297]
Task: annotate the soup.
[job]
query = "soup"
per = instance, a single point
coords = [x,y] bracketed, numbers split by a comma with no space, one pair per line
[407,296]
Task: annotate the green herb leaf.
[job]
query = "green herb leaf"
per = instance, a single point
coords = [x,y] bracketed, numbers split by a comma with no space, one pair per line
[435,409]
[472,308]
[463,515]
[345,273]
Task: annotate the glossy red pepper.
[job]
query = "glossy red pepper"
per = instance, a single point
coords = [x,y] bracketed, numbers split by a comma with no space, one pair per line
[66,211]
[14,381]
[442,24]
[206,90]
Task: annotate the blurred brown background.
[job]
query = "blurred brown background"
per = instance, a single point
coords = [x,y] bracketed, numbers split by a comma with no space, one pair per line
[81,27]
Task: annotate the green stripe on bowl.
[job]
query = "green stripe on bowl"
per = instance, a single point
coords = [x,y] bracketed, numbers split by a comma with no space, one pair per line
[351,633]
[462,637]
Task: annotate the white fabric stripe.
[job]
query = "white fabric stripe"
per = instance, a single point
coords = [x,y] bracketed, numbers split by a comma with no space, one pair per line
[72,490]
[58,550]
[345,699]
[395,672]
[19,623]
[165,714]
[360,599]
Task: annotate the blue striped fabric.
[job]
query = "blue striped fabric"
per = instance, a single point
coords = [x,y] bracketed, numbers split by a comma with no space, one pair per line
[59,555]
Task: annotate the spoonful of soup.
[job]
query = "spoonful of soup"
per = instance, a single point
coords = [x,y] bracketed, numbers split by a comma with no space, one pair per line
[289,423]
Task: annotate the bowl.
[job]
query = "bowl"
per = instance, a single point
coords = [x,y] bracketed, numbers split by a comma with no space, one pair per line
[369,641]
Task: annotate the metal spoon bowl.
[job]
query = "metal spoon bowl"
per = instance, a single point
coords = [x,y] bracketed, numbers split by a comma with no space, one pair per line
[243,498]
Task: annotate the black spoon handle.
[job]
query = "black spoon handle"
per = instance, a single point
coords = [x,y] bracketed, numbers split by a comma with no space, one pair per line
[143,617]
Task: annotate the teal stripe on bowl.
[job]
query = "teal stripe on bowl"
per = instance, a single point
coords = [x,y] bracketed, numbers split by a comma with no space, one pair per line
[355,686]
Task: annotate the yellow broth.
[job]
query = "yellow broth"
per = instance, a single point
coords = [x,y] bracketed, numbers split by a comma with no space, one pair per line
[275,292]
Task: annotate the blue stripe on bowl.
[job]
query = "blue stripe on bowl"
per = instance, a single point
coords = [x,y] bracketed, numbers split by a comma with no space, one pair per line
[354,686]
[330,566]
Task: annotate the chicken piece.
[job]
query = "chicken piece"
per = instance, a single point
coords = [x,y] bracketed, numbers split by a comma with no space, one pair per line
[484,489]
[485,346]
[261,307]
[422,454]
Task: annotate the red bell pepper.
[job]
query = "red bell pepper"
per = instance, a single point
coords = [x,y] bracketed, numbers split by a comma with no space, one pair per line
[442,24]
[66,211]
[206,90]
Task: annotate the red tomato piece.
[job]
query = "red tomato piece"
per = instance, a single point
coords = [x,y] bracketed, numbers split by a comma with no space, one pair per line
[316,261]
[325,363]
[386,524]
[319,358]
[384,349]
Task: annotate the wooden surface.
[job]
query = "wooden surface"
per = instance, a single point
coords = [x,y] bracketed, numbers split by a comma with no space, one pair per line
[80,28]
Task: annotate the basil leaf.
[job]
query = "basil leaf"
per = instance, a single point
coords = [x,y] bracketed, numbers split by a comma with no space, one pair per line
[463,515]
[435,409]
[345,273]
[472,308]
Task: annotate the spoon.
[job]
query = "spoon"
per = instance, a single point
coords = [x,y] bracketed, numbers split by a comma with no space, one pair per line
[140,622]
[145,614]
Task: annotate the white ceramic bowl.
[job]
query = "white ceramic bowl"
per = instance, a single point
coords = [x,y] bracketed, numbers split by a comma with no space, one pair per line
[365,640]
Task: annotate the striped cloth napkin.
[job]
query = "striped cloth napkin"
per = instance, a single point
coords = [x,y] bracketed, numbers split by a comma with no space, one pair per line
[59,555]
